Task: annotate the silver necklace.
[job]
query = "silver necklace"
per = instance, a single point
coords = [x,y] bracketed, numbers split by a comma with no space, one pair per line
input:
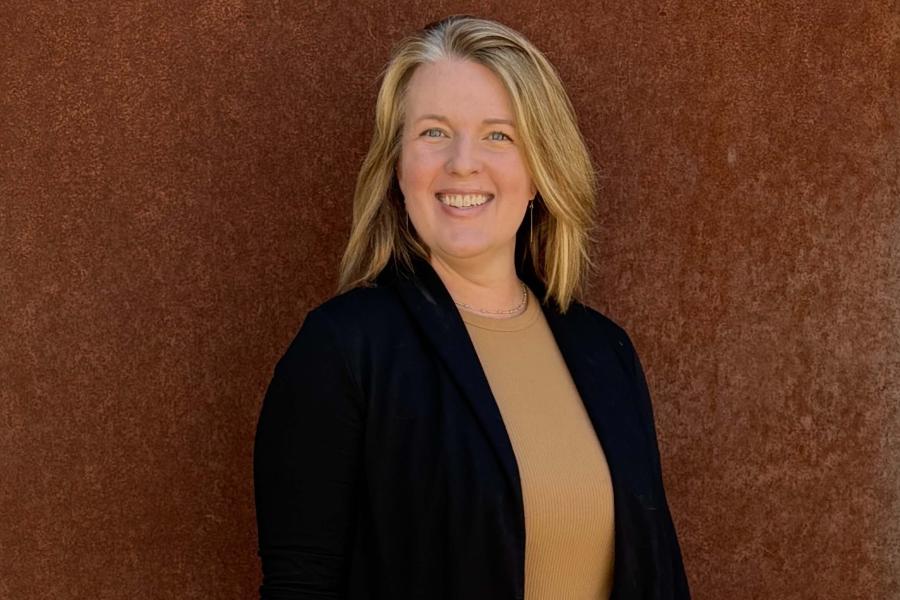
[498,312]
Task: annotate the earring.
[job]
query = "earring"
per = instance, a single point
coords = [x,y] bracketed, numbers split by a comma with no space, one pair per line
[531,222]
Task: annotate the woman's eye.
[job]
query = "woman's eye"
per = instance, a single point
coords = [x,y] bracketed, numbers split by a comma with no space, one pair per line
[433,129]
[500,133]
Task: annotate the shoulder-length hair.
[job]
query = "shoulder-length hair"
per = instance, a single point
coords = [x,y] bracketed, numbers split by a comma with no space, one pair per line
[553,148]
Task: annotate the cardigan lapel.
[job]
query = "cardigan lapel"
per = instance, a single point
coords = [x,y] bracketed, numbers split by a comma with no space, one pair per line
[595,366]
[432,307]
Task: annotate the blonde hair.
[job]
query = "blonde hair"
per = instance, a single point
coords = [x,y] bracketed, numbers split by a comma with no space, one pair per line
[553,148]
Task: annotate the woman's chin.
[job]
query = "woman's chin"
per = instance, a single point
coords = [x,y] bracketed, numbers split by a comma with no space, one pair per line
[464,251]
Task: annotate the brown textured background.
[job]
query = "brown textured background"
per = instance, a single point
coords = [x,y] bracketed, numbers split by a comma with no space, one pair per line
[174,197]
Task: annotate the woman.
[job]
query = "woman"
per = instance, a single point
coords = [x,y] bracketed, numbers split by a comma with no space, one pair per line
[454,423]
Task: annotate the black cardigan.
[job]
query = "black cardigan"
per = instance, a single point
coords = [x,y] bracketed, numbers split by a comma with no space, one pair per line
[383,470]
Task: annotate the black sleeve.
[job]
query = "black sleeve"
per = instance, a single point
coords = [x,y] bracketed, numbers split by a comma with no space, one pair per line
[677,575]
[306,462]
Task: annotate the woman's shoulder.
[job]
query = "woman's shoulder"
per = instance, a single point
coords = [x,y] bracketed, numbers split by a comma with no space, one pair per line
[347,325]
[599,331]
[362,305]
[363,313]
[597,322]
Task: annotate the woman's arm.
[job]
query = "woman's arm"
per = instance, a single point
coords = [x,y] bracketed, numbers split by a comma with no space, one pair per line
[679,582]
[306,464]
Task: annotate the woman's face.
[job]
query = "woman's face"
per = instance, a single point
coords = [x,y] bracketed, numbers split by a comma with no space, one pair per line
[461,168]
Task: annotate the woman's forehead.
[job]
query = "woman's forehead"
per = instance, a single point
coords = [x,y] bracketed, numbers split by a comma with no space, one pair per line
[458,91]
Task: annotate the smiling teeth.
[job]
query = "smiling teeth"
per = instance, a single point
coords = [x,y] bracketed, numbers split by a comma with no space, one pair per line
[463,200]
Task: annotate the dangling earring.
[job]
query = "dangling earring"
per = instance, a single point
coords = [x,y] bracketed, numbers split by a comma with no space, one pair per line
[531,222]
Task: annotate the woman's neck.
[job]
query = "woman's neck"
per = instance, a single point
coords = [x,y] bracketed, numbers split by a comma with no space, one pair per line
[486,285]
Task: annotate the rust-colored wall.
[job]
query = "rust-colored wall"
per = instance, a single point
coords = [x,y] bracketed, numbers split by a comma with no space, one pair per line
[174,195]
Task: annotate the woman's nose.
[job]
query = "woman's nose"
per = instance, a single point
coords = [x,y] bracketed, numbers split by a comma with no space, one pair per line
[463,158]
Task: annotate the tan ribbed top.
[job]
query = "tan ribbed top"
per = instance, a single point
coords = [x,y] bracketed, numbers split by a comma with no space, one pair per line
[566,487]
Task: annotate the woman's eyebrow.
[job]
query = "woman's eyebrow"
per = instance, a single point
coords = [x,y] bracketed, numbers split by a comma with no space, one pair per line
[444,119]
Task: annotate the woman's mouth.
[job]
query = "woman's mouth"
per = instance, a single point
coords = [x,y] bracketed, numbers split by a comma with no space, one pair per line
[464,201]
